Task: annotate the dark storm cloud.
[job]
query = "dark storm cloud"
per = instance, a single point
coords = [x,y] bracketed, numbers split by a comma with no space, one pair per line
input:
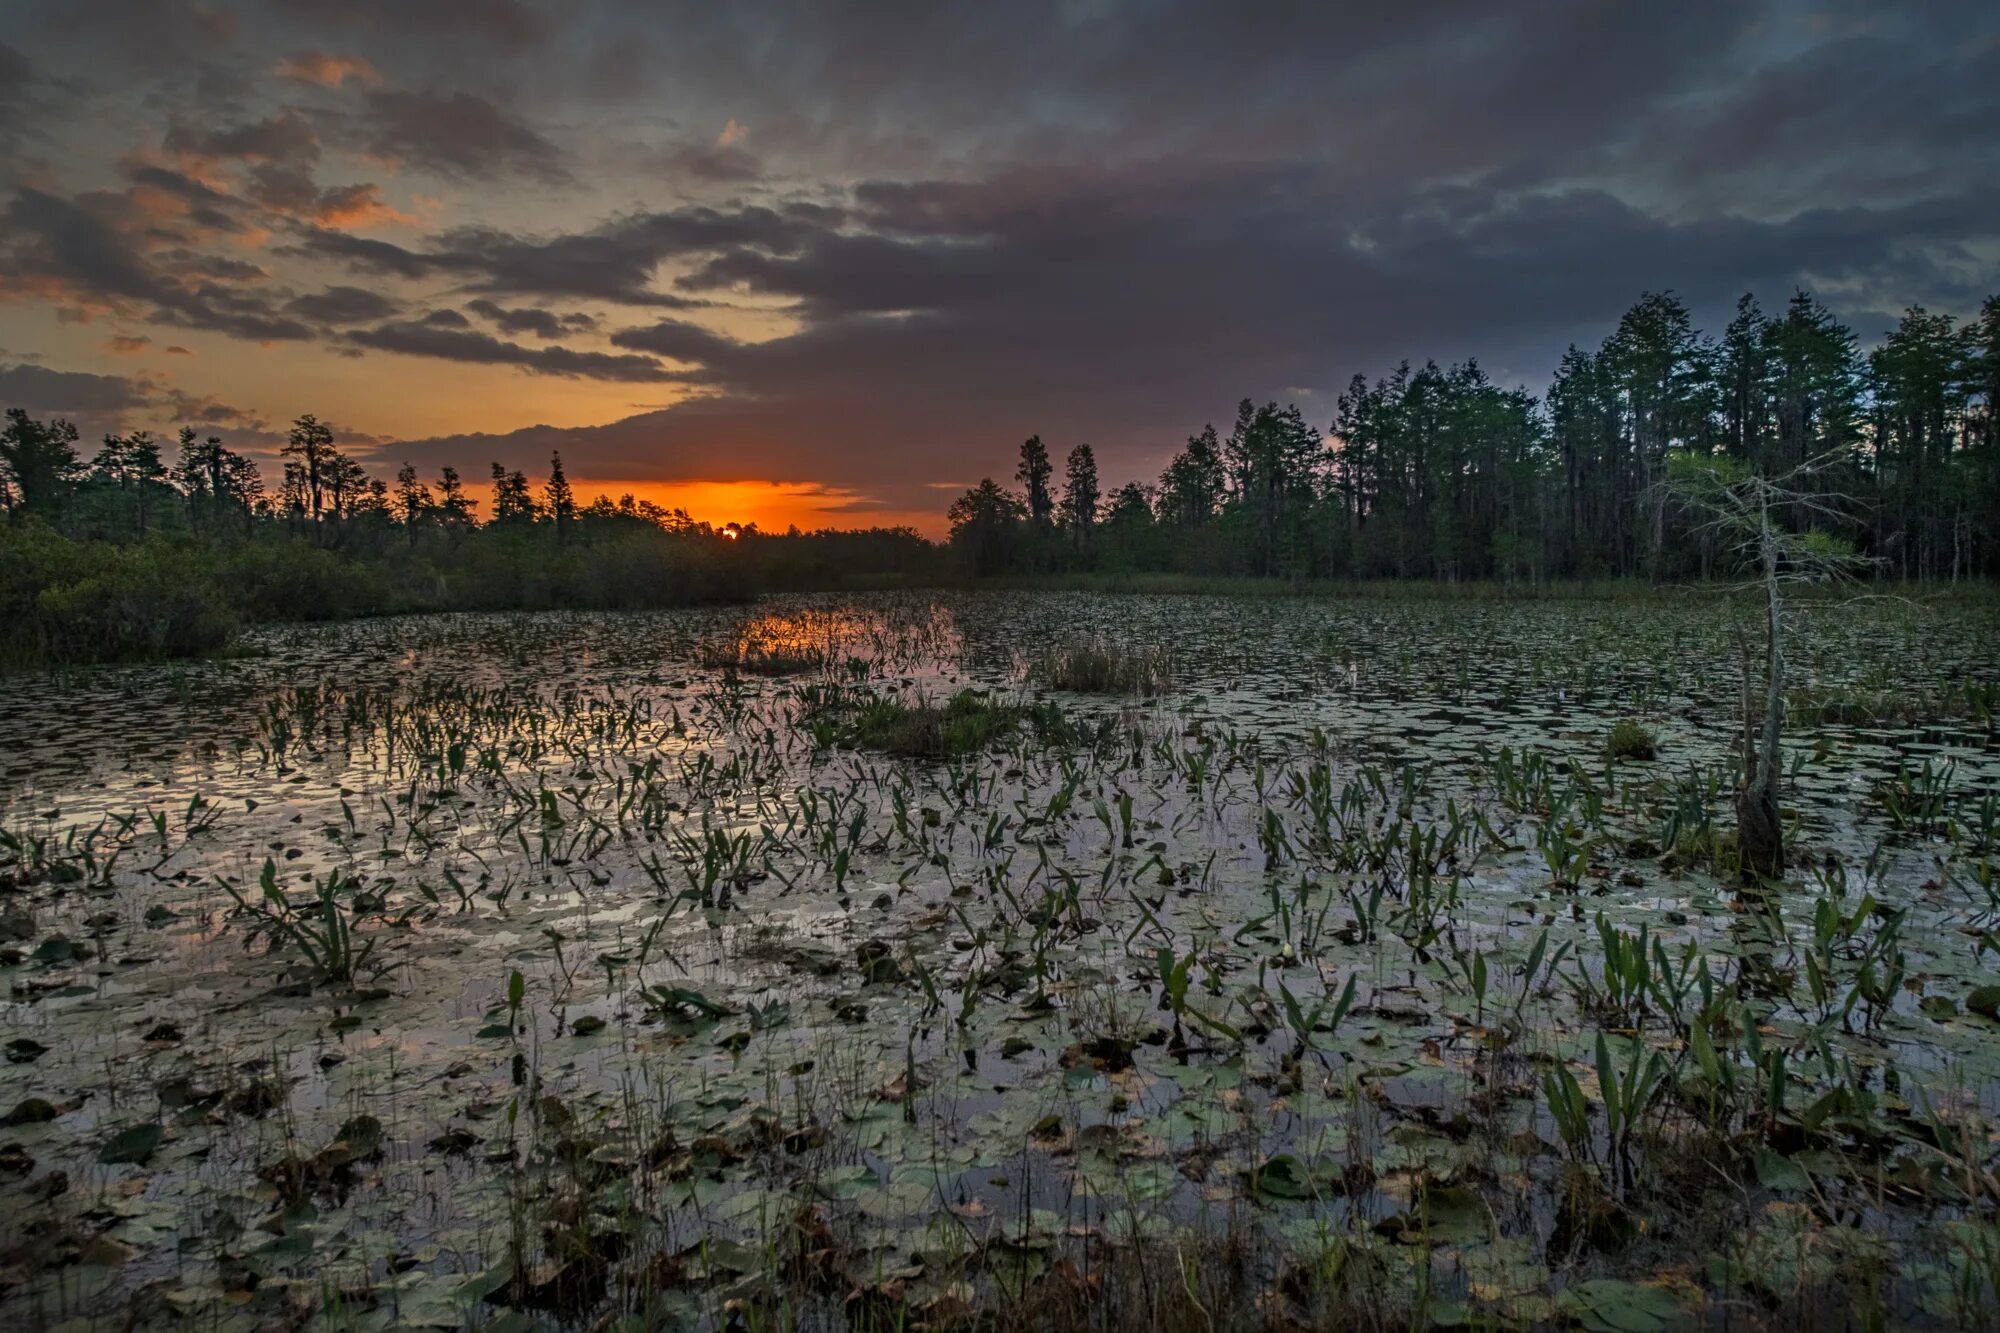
[67,392]
[726,163]
[1097,221]
[456,134]
[509,25]
[422,338]
[678,340]
[199,194]
[98,404]
[616,261]
[531,319]
[342,305]
[287,136]
[63,249]
[1910,114]
[361,253]
[1102,316]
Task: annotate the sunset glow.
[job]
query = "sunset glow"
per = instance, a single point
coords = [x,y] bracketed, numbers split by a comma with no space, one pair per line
[761,269]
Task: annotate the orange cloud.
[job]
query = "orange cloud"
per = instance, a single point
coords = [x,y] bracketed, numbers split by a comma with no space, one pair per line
[127,344]
[357,206]
[325,69]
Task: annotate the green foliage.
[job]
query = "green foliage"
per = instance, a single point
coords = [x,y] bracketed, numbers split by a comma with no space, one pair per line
[966,722]
[66,601]
[183,593]
[322,929]
[1630,740]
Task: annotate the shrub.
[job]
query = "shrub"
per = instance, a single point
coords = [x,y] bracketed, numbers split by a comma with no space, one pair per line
[295,580]
[1630,740]
[68,601]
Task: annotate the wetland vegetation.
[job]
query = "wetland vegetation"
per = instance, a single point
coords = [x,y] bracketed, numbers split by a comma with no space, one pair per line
[1007,960]
[603,949]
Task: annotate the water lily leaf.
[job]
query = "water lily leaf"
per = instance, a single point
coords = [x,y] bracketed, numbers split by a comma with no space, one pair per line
[134,1145]
[1607,1305]
[1281,1177]
[1775,1171]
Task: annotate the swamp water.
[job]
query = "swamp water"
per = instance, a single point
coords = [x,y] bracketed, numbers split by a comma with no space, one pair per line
[668,970]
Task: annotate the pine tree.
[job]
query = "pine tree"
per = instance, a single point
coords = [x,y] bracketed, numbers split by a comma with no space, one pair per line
[310,445]
[558,502]
[1080,494]
[1034,474]
[41,459]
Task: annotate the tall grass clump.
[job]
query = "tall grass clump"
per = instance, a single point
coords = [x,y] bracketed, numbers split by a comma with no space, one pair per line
[758,659]
[1631,740]
[917,727]
[1099,666]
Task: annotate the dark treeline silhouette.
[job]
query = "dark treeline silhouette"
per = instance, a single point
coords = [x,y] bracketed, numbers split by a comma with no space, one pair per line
[1430,473]
[1438,473]
[128,554]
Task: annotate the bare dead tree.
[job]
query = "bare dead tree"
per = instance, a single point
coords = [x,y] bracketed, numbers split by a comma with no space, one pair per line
[1741,511]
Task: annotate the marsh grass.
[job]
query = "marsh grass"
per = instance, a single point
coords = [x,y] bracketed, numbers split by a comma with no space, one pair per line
[322,928]
[771,660]
[1102,666]
[1857,704]
[1119,1019]
[969,720]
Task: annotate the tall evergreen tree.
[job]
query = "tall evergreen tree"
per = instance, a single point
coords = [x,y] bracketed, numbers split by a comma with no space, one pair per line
[558,501]
[1080,493]
[310,445]
[41,459]
[1034,474]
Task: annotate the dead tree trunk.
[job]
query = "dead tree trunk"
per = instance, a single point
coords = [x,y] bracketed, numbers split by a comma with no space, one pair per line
[1760,838]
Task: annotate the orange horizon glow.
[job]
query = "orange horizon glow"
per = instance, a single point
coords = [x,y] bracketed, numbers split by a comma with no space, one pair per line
[773,506]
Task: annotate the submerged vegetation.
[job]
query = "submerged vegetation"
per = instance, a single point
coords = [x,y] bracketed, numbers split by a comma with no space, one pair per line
[566,970]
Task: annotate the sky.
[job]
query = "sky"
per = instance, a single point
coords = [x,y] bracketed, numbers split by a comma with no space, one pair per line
[830,264]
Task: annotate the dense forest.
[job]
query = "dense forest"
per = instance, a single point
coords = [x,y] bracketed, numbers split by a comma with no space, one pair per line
[1438,473]
[1430,473]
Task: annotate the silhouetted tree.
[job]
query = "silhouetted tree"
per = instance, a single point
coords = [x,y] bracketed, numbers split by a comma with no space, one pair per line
[1192,486]
[1034,474]
[512,501]
[310,445]
[129,470]
[1079,502]
[454,509]
[983,523]
[413,501]
[558,502]
[40,458]
[1921,389]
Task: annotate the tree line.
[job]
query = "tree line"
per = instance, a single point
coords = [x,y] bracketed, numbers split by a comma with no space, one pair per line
[129,554]
[128,489]
[1438,473]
